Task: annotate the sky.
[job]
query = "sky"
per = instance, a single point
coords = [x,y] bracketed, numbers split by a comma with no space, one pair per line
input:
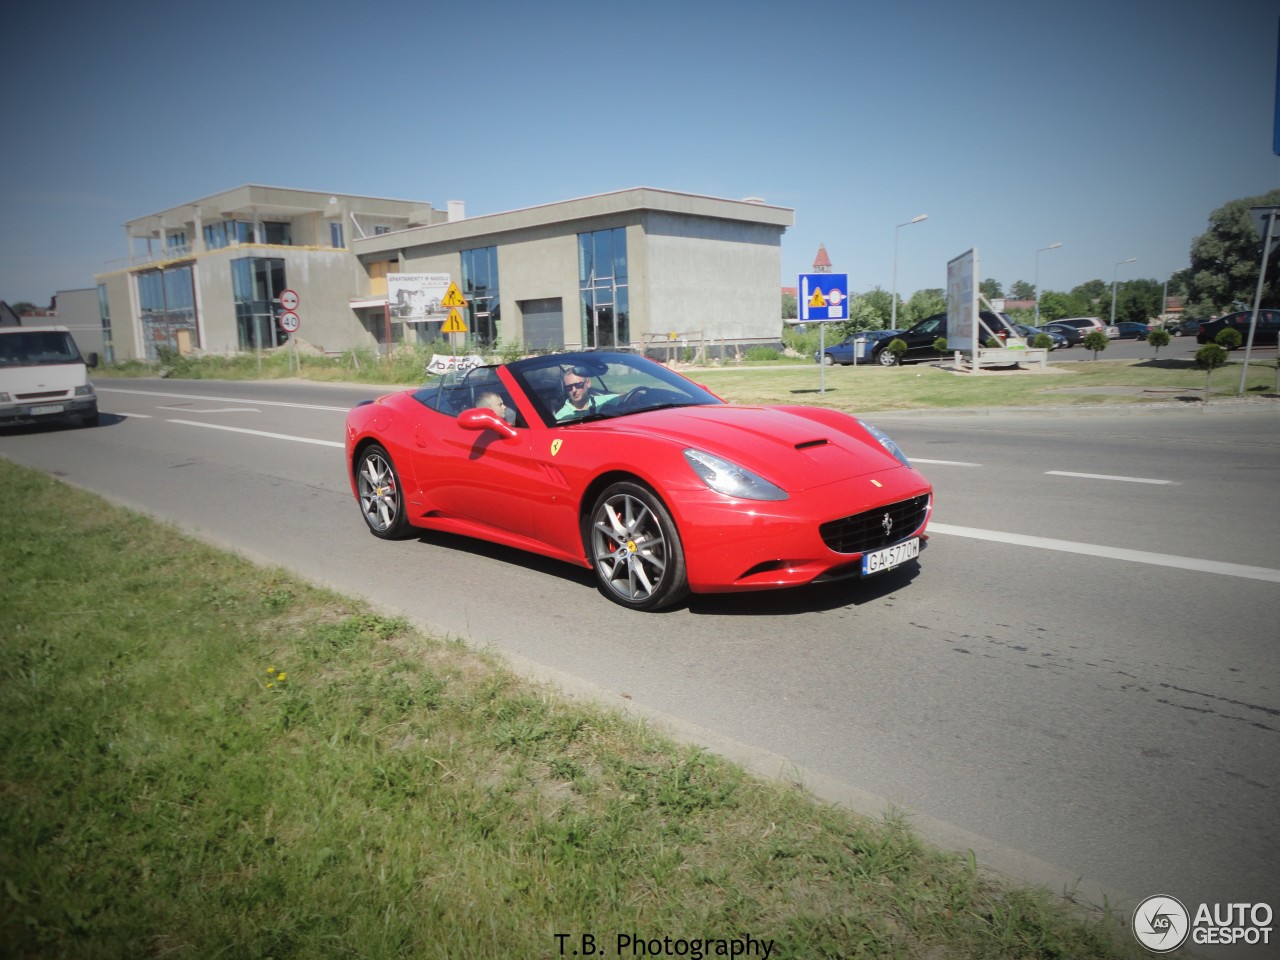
[1114,128]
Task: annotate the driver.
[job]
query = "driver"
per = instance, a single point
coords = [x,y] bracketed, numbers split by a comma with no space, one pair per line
[582,398]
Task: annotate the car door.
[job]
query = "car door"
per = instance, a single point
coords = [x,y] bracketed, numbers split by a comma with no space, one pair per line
[479,476]
[921,337]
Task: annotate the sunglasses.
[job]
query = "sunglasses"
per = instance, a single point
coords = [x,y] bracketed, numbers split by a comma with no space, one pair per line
[579,383]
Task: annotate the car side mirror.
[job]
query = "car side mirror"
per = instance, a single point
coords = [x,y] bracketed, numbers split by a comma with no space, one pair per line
[484,418]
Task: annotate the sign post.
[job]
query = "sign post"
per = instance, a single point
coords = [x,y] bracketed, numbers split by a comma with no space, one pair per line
[823,298]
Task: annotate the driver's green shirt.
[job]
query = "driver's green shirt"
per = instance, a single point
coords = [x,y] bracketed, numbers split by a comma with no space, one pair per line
[594,402]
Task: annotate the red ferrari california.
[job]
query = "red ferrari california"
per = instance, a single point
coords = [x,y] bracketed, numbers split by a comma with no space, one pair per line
[615,463]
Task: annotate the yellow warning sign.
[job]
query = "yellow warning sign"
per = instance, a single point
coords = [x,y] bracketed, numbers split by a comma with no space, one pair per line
[454,297]
[454,324]
[817,300]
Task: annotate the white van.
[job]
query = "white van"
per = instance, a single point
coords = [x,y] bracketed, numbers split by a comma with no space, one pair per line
[44,377]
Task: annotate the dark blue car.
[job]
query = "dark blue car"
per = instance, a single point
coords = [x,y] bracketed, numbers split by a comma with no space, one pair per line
[863,342]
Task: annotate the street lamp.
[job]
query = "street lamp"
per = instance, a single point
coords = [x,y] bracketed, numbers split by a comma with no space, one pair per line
[1052,246]
[1115,273]
[893,320]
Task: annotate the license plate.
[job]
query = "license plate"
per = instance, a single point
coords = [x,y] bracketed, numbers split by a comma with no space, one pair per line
[46,409]
[890,557]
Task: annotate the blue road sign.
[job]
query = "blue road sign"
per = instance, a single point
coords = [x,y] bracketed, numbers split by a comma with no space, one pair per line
[823,296]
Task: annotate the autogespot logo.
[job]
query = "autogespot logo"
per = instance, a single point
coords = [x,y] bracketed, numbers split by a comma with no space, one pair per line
[1161,923]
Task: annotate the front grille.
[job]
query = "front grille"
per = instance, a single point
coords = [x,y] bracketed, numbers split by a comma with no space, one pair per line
[44,395]
[866,531]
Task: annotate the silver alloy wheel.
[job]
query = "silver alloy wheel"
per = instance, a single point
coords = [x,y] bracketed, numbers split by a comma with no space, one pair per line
[635,550]
[379,492]
[887,357]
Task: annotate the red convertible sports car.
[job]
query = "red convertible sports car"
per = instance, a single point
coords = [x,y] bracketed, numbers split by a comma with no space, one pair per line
[615,463]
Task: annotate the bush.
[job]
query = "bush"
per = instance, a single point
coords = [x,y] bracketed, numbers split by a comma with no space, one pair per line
[1158,338]
[940,345]
[897,348]
[762,353]
[1042,341]
[1229,338]
[1096,341]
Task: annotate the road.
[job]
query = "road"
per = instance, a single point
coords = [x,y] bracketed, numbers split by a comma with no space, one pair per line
[1079,680]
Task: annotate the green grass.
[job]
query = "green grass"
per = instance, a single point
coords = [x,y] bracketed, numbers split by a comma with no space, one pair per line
[856,389]
[204,758]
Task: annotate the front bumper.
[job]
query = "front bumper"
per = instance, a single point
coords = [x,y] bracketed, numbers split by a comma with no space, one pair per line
[41,411]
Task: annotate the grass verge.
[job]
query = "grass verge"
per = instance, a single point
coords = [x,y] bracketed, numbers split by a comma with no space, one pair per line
[200,757]
[861,389]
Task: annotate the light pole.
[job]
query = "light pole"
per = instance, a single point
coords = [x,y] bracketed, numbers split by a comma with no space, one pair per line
[1052,246]
[1114,274]
[893,319]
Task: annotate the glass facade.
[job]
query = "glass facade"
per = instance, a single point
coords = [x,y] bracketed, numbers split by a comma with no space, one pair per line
[256,284]
[168,304]
[226,232]
[104,317]
[480,287]
[335,234]
[602,282]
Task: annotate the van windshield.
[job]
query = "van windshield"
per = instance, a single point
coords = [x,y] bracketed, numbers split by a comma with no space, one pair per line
[37,348]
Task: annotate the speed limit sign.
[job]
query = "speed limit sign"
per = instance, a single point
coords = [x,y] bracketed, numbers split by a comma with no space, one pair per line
[290,322]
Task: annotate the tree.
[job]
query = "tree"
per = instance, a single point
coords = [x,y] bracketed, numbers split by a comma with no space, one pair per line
[868,311]
[991,289]
[1096,341]
[789,308]
[1225,261]
[1207,358]
[923,303]
[1138,300]
[1055,306]
[1159,337]
[1021,290]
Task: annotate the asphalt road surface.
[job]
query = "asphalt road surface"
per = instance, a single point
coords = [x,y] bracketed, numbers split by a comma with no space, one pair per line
[1079,680]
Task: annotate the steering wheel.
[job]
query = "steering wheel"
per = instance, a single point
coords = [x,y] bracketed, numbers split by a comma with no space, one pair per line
[633,397]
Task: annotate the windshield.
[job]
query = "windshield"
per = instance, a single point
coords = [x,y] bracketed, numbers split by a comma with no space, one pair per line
[37,348]
[576,387]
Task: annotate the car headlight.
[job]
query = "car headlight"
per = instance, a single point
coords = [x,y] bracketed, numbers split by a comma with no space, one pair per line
[887,443]
[728,478]
[85,391]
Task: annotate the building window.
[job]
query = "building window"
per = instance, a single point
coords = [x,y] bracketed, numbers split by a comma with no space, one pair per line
[104,317]
[602,281]
[480,287]
[168,307]
[226,232]
[257,283]
[277,233]
[380,229]
[335,234]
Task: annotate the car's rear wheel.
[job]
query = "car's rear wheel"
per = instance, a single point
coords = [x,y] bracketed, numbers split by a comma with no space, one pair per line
[381,497]
[635,549]
[886,357]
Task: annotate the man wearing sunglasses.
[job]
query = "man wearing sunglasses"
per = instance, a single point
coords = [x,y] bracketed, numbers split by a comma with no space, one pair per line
[582,398]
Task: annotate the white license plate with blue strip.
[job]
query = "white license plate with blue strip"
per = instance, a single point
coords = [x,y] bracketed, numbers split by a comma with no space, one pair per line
[881,560]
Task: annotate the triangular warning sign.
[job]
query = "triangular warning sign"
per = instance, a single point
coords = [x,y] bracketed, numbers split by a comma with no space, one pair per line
[454,324]
[817,300]
[454,297]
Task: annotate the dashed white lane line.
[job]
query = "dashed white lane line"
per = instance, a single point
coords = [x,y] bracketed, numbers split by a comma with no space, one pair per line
[1103,476]
[259,433]
[1112,553]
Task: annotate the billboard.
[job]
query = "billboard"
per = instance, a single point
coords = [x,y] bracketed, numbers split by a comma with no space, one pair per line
[962,303]
[417,296]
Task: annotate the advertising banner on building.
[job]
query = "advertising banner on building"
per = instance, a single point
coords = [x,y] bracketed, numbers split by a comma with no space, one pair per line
[962,303]
[417,296]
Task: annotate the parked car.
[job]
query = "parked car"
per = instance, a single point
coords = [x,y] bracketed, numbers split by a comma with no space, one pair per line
[1266,334]
[1129,330]
[615,463]
[1029,333]
[1072,335]
[859,344]
[1187,327]
[1087,324]
[921,337]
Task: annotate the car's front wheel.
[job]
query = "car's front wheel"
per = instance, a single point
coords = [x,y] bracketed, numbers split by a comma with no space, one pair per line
[828,360]
[635,549]
[887,358]
[380,493]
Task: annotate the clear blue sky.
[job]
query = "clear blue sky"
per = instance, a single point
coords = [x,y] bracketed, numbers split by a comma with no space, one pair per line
[1115,128]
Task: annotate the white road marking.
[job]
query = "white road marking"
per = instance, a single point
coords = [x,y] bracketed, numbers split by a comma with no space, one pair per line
[945,463]
[256,403]
[212,409]
[1103,476]
[259,433]
[1112,553]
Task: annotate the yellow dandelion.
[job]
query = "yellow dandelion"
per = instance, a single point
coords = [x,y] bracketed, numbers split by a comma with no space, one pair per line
[271,669]
[281,677]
